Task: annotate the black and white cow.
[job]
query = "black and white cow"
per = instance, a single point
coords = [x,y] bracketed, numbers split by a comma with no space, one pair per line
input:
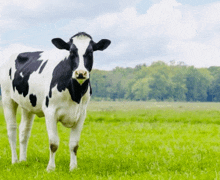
[55,86]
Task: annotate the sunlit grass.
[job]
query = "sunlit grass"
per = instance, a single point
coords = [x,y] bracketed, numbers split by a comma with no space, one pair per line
[123,141]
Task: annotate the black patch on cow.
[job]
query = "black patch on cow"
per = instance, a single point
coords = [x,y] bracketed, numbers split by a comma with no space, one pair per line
[75,149]
[47,101]
[42,67]
[76,90]
[33,100]
[25,65]
[10,73]
[62,74]
[53,148]
[62,78]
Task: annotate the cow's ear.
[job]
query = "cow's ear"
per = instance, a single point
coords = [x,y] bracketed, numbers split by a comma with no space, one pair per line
[101,45]
[60,44]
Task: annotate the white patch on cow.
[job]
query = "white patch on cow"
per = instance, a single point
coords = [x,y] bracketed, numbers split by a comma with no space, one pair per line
[21,74]
[68,116]
[54,55]
[82,43]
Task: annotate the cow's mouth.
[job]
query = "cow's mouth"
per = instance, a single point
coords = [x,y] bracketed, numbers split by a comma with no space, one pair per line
[81,80]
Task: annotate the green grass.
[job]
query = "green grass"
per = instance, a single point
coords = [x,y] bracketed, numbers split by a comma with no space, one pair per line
[127,140]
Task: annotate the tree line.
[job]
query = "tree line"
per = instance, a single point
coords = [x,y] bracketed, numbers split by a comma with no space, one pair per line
[158,82]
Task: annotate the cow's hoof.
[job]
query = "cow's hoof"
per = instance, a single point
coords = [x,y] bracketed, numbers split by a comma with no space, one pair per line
[50,168]
[73,167]
[14,161]
[22,160]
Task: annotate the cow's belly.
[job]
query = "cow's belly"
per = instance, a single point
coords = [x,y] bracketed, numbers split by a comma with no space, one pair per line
[34,100]
[25,103]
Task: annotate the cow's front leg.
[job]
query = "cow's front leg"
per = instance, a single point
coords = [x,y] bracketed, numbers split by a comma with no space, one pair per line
[24,132]
[10,108]
[74,140]
[53,141]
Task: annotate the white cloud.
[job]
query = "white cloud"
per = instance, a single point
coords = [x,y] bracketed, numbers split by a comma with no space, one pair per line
[167,31]
[164,18]
[5,53]
[117,50]
[28,4]
[194,53]
[29,12]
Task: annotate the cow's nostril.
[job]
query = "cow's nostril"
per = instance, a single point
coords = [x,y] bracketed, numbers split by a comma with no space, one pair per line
[81,74]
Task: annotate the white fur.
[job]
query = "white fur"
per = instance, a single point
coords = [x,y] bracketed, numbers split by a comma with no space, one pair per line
[61,107]
[81,42]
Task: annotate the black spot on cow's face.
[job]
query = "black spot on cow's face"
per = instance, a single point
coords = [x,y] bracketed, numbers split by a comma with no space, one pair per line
[74,57]
[33,100]
[25,65]
[88,58]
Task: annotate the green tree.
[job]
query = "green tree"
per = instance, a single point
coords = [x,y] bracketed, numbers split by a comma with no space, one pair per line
[98,82]
[197,85]
[158,81]
[179,81]
[141,89]
[159,86]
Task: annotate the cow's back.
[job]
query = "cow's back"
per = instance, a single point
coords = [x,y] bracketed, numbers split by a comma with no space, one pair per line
[27,77]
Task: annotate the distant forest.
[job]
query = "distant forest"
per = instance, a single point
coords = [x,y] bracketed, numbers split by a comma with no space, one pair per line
[157,82]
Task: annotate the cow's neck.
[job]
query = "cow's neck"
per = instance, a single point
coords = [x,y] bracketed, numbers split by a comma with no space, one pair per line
[77,91]
[62,80]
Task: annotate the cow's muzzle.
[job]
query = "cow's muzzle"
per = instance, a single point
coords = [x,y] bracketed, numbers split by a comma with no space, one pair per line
[81,76]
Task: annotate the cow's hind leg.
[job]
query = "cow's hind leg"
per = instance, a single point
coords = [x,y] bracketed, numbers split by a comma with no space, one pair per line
[10,108]
[24,132]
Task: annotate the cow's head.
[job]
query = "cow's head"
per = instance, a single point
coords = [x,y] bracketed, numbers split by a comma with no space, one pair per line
[81,48]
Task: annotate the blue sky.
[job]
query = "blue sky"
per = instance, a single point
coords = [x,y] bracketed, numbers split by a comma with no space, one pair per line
[141,31]
[144,5]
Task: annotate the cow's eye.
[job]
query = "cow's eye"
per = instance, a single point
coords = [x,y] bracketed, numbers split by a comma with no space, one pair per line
[89,53]
[73,53]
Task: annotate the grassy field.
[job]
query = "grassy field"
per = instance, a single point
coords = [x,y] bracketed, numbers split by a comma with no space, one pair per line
[128,140]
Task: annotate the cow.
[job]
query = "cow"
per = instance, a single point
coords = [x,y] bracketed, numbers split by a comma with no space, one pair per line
[55,86]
